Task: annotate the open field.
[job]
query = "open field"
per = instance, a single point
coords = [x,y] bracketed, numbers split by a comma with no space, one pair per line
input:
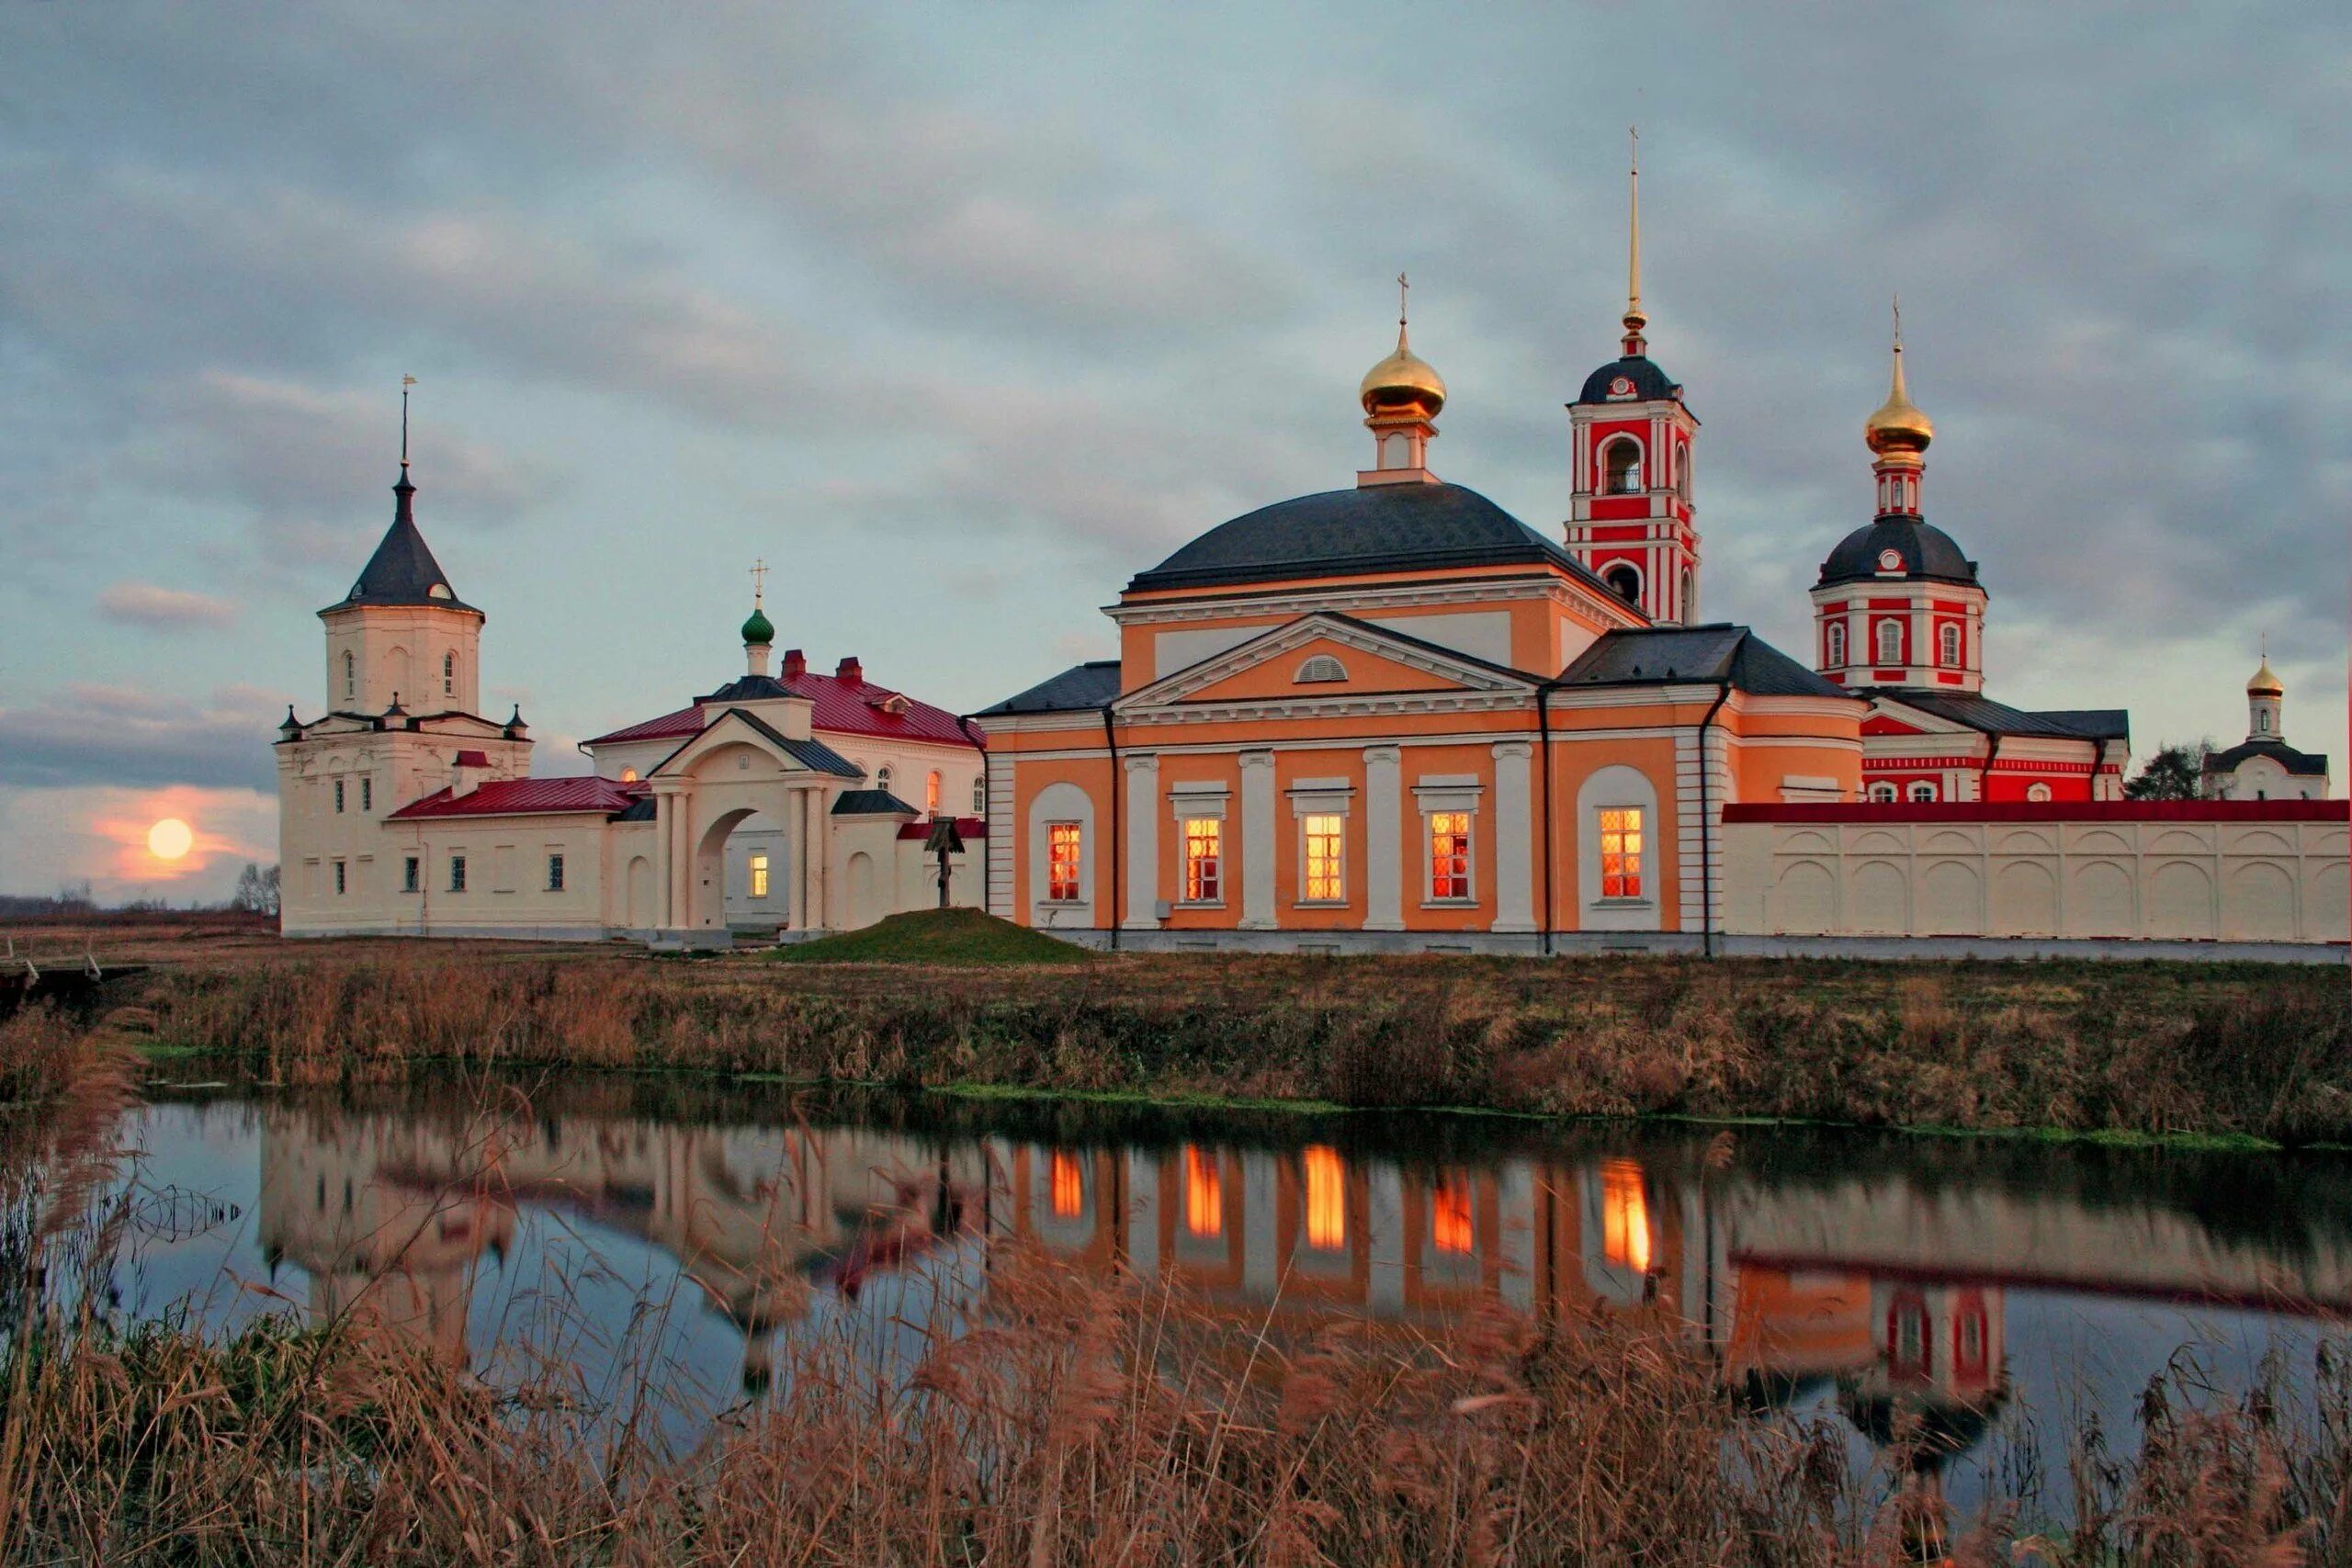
[2156,1049]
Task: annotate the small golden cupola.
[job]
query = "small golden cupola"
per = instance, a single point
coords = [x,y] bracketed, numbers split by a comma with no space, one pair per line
[1897,434]
[1401,397]
[2265,684]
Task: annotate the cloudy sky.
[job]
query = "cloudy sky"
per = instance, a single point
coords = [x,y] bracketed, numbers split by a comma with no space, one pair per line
[962,314]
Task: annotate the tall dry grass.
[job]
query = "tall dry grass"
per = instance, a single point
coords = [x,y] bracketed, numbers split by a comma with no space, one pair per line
[2257,1050]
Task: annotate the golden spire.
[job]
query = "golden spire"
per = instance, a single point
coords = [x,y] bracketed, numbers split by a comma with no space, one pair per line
[2265,684]
[1404,377]
[1635,318]
[1898,426]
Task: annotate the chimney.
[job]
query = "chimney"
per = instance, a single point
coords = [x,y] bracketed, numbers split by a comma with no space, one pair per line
[467,772]
[795,664]
[850,669]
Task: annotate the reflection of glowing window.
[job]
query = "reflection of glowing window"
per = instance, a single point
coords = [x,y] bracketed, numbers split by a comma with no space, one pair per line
[1621,853]
[1624,1216]
[1972,1341]
[1069,1187]
[1061,861]
[1326,857]
[759,876]
[1204,1194]
[1910,1348]
[1450,1224]
[1326,1200]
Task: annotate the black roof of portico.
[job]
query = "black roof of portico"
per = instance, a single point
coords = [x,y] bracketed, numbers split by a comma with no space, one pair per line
[2302,764]
[1721,652]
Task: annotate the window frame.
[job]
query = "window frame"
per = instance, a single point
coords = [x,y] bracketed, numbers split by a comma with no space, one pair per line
[1335,860]
[755,874]
[338,797]
[1201,871]
[1884,792]
[367,792]
[457,873]
[1064,876]
[1833,645]
[449,672]
[1634,854]
[1634,471]
[555,871]
[341,877]
[1319,669]
[979,795]
[1466,852]
[1951,643]
[934,783]
[412,874]
[1641,581]
[1880,629]
[1921,792]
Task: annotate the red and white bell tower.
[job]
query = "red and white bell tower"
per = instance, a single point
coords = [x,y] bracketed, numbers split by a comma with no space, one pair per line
[1630,515]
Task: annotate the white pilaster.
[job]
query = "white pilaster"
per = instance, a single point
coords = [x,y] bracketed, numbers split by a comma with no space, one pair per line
[1257,840]
[1384,874]
[1514,838]
[1142,869]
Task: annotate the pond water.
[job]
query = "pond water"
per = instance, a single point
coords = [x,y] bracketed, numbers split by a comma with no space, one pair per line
[2000,1289]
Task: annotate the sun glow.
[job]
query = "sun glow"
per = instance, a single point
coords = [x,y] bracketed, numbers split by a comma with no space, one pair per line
[170,839]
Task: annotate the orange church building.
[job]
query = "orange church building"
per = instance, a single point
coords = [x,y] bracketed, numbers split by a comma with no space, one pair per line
[1394,717]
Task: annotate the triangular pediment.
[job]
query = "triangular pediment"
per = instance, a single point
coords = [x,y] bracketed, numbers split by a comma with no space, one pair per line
[741,728]
[1888,716]
[1326,655]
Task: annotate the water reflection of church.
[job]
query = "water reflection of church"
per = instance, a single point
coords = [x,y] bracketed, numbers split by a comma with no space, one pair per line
[1889,1291]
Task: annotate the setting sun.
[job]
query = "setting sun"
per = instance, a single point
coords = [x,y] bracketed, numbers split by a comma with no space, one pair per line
[170,839]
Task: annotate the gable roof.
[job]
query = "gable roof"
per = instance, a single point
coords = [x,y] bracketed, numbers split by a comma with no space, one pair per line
[814,755]
[1658,654]
[528,797]
[2302,765]
[1985,715]
[1087,685]
[852,707]
[402,570]
[871,803]
[1353,533]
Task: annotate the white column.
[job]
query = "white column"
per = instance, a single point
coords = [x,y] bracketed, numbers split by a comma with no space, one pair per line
[1922,634]
[1142,870]
[1514,838]
[812,857]
[1257,840]
[1384,853]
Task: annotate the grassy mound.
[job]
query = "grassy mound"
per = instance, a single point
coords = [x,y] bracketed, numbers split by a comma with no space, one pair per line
[936,936]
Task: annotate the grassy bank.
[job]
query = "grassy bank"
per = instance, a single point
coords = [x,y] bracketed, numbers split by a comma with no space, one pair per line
[2156,1050]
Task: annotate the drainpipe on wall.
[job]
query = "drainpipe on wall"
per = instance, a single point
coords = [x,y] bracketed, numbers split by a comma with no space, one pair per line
[1992,755]
[1118,839]
[1707,832]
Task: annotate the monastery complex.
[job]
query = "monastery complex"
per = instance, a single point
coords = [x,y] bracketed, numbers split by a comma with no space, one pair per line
[1386,716]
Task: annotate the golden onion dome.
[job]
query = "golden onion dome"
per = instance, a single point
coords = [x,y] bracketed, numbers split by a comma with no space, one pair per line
[1402,379]
[1899,426]
[2265,684]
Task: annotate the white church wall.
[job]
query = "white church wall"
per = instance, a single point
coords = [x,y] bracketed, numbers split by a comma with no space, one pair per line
[2225,878]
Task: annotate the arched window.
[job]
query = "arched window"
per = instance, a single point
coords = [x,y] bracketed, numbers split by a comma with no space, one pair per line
[1889,642]
[1833,646]
[1948,647]
[1621,466]
[1624,580]
[2038,792]
[1883,794]
[2262,721]
[882,776]
[1322,667]
[350,674]
[931,793]
[981,796]
[1690,599]
[628,775]
[449,675]
[1922,793]
[1682,471]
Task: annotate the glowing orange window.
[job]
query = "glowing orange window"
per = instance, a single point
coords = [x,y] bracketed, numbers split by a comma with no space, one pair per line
[930,793]
[1624,1216]
[1451,1225]
[1326,1200]
[1449,855]
[1203,1194]
[1069,1187]
[1062,852]
[1621,852]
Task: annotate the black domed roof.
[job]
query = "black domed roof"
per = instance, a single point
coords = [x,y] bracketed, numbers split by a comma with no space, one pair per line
[1346,533]
[1927,551]
[1648,382]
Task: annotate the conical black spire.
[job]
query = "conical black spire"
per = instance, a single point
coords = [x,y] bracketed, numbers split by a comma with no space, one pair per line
[402,570]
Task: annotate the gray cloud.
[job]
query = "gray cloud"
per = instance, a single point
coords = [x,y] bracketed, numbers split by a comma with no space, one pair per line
[98,734]
[145,606]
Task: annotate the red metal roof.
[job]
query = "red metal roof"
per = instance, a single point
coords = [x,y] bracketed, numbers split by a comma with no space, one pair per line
[968,826]
[526,797]
[2042,811]
[852,707]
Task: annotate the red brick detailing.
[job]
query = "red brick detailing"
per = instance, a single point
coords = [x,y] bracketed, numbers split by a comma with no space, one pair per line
[2046,811]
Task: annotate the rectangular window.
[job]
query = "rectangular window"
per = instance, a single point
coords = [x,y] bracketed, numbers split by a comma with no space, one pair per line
[457,873]
[1204,841]
[1326,1200]
[1069,1187]
[759,876]
[555,874]
[1449,855]
[931,794]
[1326,880]
[1203,1194]
[1624,1216]
[1621,852]
[338,795]
[368,795]
[411,875]
[1062,846]
[341,880]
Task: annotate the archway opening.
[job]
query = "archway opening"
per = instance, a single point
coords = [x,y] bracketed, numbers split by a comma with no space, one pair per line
[746,857]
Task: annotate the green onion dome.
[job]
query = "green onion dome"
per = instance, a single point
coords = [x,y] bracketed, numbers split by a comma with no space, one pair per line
[757,629]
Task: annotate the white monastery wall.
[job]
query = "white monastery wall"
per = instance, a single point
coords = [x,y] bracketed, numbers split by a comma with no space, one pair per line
[2227,877]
